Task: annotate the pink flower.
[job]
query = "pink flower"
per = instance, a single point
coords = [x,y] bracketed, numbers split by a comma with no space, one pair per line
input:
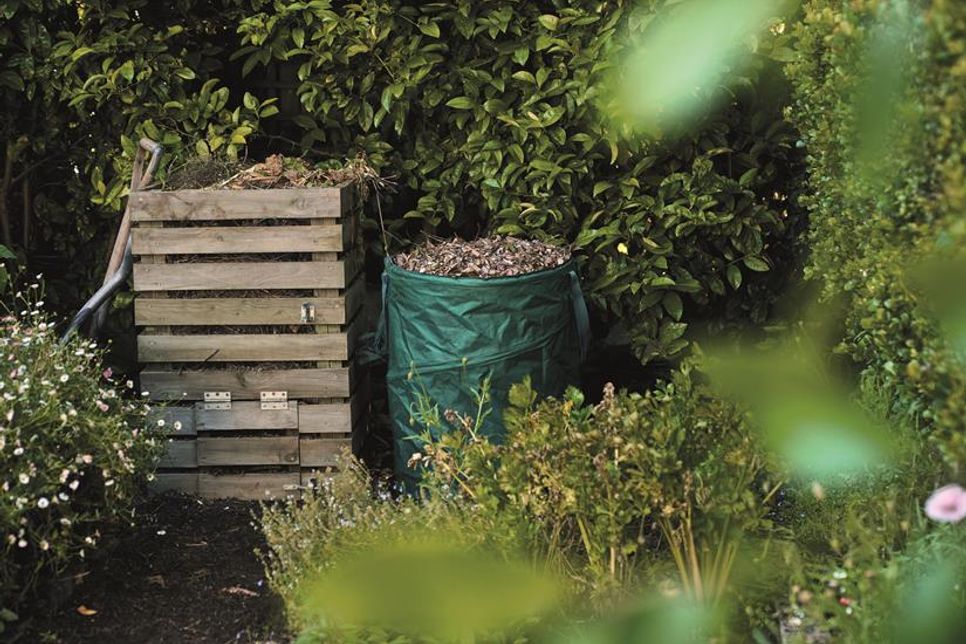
[102,405]
[947,504]
[107,373]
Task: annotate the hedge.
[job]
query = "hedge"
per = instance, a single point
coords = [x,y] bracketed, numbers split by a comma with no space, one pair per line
[489,113]
[872,226]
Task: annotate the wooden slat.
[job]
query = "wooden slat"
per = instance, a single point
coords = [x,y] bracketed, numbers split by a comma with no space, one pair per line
[178,421]
[184,482]
[179,454]
[240,311]
[215,205]
[329,418]
[246,415]
[242,276]
[322,452]
[246,385]
[237,239]
[242,348]
[255,486]
[259,450]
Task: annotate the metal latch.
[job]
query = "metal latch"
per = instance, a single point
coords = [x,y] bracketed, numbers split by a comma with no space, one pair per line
[217,400]
[274,400]
[308,313]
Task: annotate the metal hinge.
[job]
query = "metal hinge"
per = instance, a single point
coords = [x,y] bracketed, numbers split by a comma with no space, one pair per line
[308,313]
[274,400]
[217,400]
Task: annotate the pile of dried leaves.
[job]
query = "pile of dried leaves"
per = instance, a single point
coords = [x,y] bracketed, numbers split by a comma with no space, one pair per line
[484,257]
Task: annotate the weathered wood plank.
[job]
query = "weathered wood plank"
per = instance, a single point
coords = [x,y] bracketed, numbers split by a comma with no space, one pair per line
[215,205]
[246,385]
[256,450]
[328,418]
[178,421]
[179,454]
[242,276]
[237,239]
[184,482]
[242,348]
[322,452]
[246,415]
[254,486]
[241,311]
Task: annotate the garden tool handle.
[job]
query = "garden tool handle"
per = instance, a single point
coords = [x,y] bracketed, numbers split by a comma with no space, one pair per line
[141,178]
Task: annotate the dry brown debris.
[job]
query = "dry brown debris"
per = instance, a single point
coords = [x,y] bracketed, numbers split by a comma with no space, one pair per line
[276,171]
[485,257]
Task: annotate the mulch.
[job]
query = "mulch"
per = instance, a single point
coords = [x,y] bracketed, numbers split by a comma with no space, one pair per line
[187,572]
[486,257]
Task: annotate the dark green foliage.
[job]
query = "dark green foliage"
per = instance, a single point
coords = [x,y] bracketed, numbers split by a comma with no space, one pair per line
[492,114]
[873,221]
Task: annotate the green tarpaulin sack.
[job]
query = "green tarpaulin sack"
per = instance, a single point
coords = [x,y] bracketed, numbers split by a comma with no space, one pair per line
[443,335]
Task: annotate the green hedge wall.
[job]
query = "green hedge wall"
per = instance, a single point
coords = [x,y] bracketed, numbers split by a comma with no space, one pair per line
[491,113]
[488,112]
[869,228]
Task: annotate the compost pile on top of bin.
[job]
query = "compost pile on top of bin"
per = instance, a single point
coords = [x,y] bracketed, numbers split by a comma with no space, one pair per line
[486,257]
[276,171]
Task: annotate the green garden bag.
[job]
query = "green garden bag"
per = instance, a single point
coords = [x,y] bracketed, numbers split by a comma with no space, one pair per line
[442,336]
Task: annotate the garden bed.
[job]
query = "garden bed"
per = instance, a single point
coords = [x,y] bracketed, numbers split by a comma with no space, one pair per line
[187,572]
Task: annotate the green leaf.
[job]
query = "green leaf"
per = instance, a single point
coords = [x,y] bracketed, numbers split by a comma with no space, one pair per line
[524,76]
[748,177]
[549,21]
[673,304]
[461,103]
[756,264]
[186,73]
[430,29]
[734,276]
[6,253]
[80,53]
[249,101]
[127,71]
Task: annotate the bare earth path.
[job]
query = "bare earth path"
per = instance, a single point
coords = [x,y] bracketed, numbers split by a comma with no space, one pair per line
[186,573]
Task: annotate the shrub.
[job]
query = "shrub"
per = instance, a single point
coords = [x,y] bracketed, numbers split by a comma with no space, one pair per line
[594,489]
[871,221]
[385,567]
[492,115]
[489,113]
[73,448]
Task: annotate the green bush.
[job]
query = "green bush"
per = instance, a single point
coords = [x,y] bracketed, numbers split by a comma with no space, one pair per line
[73,448]
[593,489]
[365,547]
[492,115]
[874,220]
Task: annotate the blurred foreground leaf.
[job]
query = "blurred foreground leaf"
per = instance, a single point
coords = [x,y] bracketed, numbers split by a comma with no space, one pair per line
[429,588]
[685,52]
[940,280]
[807,418]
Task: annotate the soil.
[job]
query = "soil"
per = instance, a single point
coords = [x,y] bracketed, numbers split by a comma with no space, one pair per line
[187,572]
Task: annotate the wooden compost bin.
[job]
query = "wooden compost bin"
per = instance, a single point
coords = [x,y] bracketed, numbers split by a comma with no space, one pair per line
[248,308]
